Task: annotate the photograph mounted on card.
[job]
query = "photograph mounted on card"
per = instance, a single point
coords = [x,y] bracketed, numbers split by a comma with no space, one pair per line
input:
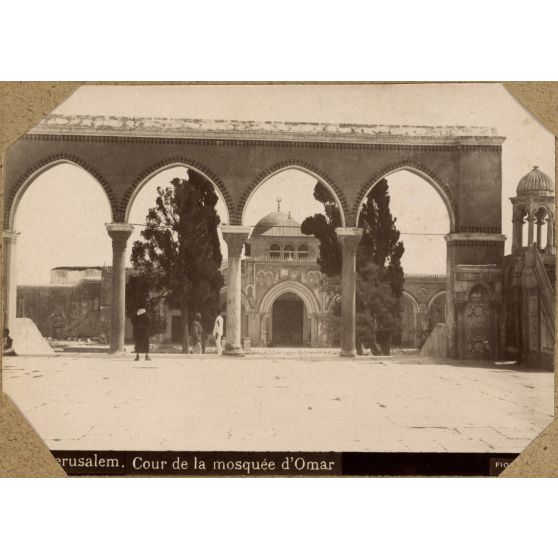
[282,279]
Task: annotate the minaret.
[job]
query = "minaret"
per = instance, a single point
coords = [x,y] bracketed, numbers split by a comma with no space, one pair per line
[534,205]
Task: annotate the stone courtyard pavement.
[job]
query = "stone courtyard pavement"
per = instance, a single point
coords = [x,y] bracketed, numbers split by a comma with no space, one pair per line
[278,402]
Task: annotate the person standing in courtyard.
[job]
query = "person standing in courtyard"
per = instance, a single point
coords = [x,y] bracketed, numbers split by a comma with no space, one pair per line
[7,344]
[218,331]
[141,333]
[197,334]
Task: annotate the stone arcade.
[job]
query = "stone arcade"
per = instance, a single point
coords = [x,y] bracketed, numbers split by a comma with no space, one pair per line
[462,164]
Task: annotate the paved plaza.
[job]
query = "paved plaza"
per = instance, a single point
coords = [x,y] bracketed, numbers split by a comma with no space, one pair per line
[278,402]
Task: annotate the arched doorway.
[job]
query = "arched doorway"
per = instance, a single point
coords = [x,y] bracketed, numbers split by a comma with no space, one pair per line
[287,319]
[437,308]
[287,314]
[423,226]
[55,276]
[406,334]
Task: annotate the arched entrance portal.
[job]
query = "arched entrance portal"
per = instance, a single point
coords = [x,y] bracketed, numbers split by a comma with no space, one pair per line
[287,321]
[288,315]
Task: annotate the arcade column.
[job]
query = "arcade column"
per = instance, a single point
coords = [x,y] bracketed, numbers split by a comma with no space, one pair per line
[550,248]
[530,231]
[235,237]
[349,239]
[119,233]
[9,238]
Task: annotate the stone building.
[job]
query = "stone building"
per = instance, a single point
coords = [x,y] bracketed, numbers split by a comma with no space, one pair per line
[283,301]
[529,275]
[485,301]
[502,311]
[70,306]
[75,304]
[462,163]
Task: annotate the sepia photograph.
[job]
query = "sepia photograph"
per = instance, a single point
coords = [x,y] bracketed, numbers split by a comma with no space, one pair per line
[295,279]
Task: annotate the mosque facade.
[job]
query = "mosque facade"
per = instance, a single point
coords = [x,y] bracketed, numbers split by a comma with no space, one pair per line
[284,302]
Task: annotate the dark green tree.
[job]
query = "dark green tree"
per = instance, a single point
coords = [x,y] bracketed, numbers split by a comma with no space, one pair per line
[180,255]
[380,276]
[322,226]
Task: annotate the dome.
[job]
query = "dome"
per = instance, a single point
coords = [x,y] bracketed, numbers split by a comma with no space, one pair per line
[535,183]
[277,223]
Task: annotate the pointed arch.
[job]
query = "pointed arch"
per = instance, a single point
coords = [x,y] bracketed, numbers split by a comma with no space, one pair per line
[21,185]
[307,296]
[153,170]
[482,290]
[302,166]
[443,189]
[413,300]
[437,295]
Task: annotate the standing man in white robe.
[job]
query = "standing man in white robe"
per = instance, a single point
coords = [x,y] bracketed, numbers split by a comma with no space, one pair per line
[218,332]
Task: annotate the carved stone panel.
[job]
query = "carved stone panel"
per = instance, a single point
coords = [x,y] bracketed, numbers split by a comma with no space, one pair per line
[478,331]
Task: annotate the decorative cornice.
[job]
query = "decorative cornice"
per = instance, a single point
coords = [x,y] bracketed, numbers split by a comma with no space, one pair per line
[235,236]
[492,229]
[10,235]
[107,126]
[426,277]
[492,269]
[474,237]
[403,147]
[526,200]
[349,238]
[119,228]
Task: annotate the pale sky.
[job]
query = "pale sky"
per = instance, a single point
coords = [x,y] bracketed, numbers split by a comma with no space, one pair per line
[70,196]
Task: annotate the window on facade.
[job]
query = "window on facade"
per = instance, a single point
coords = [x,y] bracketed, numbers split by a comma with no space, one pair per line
[275,251]
[289,252]
[303,252]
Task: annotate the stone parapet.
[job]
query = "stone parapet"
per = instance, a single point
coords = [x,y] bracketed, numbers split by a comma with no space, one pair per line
[55,124]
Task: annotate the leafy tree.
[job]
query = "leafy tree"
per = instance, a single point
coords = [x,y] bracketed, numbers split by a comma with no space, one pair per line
[380,242]
[323,228]
[380,277]
[180,255]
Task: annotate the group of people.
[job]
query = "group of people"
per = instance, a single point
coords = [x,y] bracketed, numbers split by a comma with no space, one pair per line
[141,333]
[197,333]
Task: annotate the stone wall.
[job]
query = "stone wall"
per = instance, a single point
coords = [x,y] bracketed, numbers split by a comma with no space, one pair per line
[63,311]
